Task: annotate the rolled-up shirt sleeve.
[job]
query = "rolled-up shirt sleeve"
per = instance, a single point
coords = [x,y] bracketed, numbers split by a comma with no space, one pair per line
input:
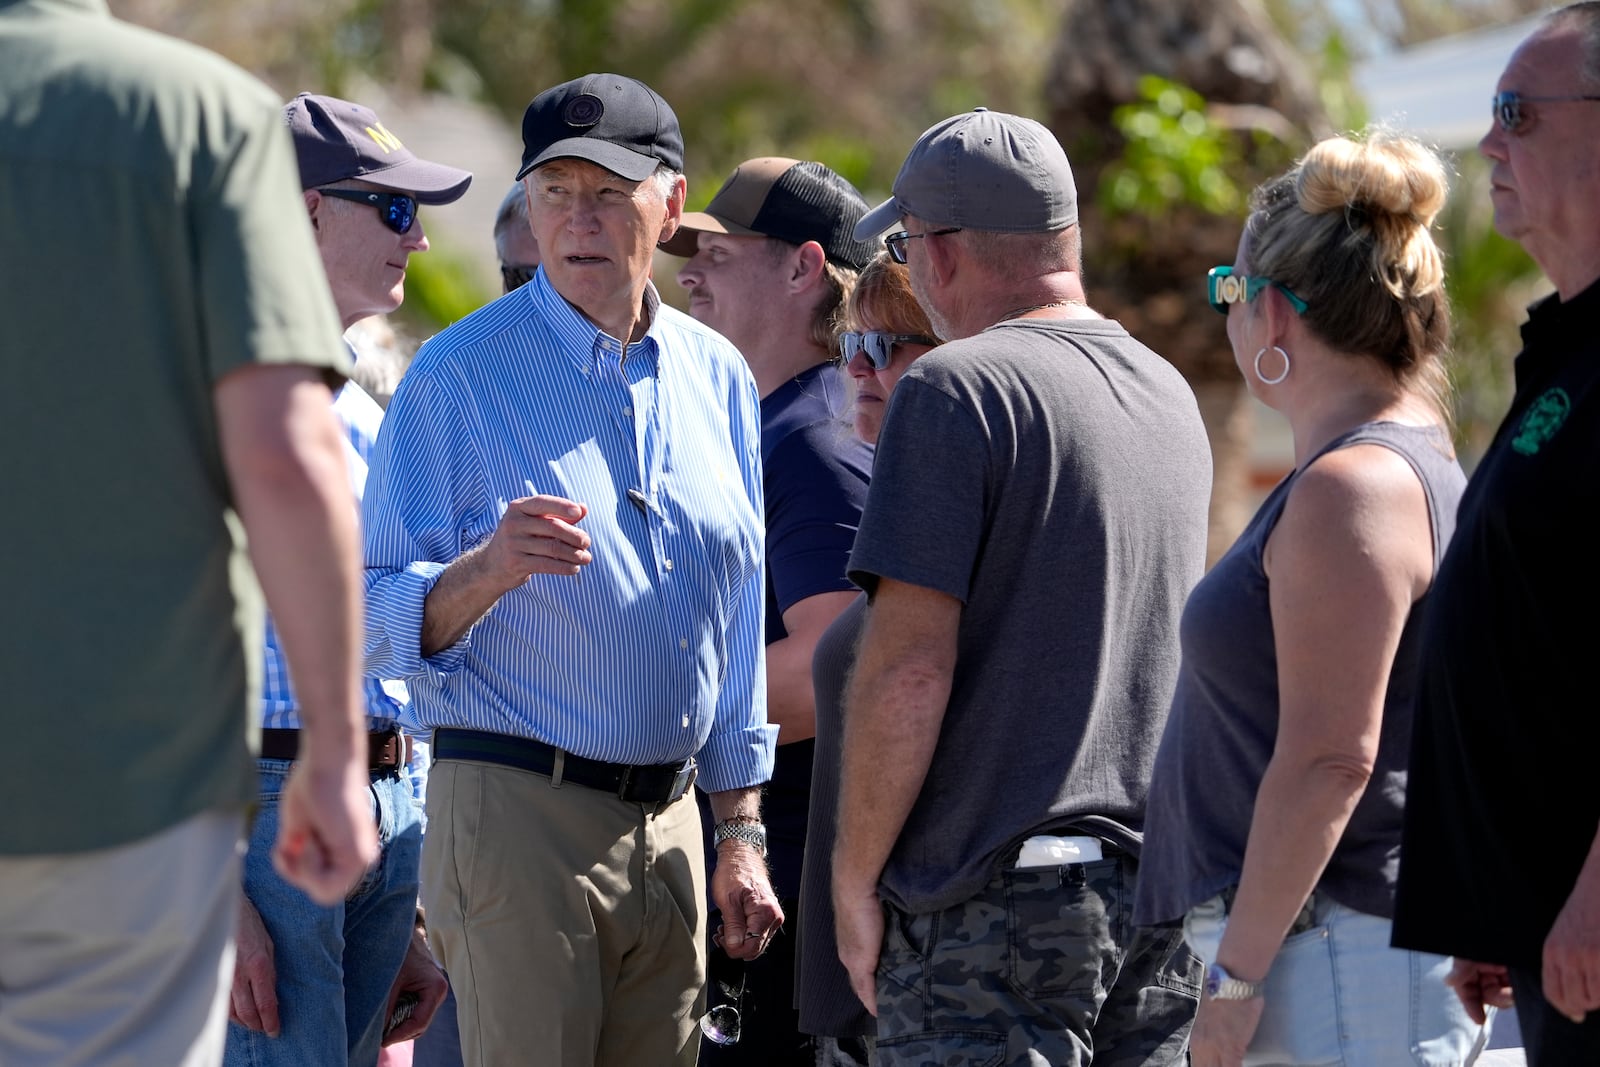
[424,487]
[740,751]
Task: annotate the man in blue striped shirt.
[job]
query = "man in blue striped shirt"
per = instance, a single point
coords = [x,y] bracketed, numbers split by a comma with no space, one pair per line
[564,559]
[315,984]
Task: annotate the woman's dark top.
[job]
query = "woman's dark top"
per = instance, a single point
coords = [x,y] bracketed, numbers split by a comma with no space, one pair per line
[1224,721]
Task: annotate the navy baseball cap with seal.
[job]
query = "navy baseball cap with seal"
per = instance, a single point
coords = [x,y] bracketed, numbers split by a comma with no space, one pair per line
[788,199]
[614,121]
[984,170]
[335,140]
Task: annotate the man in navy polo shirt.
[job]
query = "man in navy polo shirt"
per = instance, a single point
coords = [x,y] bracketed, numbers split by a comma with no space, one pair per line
[771,260]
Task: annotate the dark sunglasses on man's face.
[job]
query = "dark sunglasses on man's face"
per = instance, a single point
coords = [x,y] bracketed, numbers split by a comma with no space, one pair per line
[1513,117]
[877,345]
[397,210]
[515,277]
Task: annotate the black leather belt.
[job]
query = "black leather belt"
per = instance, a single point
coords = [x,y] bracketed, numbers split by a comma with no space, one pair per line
[386,750]
[643,784]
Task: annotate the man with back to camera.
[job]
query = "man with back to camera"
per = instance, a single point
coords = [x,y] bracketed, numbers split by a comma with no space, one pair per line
[564,548]
[1020,651]
[317,984]
[771,260]
[1504,736]
[196,411]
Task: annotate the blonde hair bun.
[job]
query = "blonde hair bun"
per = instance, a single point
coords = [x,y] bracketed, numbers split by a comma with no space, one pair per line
[1384,173]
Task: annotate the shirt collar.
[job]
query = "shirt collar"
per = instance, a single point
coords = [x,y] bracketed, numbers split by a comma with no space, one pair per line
[584,342]
[1558,329]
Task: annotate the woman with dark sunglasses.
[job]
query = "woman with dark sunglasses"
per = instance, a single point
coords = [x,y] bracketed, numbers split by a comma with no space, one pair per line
[888,331]
[1273,827]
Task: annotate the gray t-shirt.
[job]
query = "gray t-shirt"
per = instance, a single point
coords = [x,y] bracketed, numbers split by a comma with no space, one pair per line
[1053,476]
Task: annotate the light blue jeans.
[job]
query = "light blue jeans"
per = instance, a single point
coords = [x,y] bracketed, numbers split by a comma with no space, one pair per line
[1339,995]
[335,965]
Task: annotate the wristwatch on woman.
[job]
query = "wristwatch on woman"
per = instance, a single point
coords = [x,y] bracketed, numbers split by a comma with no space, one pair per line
[1220,985]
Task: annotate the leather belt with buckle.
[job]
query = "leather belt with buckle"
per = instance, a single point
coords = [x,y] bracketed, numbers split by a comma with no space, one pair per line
[386,750]
[640,783]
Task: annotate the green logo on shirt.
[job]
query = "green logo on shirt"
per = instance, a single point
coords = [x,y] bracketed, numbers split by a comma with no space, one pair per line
[1542,421]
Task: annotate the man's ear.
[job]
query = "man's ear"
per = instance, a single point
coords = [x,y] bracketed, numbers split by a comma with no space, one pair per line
[313,201]
[944,257]
[675,199]
[809,265]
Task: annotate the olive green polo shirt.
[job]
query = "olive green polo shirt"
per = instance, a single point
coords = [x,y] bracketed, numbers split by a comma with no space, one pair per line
[154,239]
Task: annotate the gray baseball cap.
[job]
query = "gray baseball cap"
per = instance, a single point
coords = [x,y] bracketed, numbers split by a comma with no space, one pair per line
[983,170]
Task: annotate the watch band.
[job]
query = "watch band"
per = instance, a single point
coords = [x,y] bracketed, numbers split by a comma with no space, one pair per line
[1220,985]
[753,834]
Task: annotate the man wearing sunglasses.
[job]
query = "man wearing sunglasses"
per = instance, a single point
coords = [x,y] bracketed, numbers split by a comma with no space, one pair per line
[1037,518]
[513,240]
[316,984]
[770,262]
[1505,729]
[564,560]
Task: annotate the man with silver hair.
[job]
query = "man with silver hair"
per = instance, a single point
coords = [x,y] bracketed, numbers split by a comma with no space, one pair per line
[564,561]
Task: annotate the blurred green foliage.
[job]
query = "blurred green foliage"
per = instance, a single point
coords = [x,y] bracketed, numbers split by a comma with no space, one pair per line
[1174,155]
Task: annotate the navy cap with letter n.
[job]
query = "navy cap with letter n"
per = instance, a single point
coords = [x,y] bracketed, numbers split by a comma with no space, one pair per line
[614,121]
[336,140]
[983,170]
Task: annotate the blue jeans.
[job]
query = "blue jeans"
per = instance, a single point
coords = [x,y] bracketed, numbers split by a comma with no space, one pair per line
[1338,994]
[335,965]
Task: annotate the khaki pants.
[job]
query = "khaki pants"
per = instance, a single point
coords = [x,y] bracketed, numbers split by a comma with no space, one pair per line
[121,957]
[572,923]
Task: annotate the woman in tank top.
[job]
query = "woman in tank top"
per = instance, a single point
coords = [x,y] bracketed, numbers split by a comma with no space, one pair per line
[887,331]
[1273,824]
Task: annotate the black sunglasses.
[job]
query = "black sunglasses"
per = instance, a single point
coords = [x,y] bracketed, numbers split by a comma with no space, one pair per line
[515,277]
[896,242]
[877,345]
[397,210]
[1508,111]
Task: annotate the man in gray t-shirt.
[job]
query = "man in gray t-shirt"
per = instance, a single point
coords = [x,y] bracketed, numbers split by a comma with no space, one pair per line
[1036,520]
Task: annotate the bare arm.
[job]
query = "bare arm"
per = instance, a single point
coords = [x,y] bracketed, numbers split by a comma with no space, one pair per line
[791,704]
[1571,968]
[894,709]
[281,446]
[740,885]
[536,535]
[1350,556]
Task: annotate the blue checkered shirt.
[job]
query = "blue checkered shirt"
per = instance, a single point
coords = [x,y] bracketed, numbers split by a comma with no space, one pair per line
[360,416]
[654,652]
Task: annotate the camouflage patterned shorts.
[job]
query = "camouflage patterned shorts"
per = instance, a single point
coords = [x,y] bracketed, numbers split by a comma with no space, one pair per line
[1043,967]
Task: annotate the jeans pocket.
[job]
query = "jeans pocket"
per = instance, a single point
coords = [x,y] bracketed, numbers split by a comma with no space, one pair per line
[1064,926]
[1301,1021]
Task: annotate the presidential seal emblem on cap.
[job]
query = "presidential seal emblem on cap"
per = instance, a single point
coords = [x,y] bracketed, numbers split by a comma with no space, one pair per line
[611,120]
[586,109]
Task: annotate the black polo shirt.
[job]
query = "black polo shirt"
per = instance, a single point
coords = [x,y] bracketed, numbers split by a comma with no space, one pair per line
[1503,801]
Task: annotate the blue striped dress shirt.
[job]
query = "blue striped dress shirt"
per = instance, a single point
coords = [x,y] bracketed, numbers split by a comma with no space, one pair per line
[653,652]
[360,416]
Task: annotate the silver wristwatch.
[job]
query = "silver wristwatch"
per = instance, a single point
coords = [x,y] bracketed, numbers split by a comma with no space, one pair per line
[1220,985]
[753,834]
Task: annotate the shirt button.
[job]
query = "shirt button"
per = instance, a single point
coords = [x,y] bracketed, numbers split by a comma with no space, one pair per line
[668,564]
[686,722]
[683,642]
[628,412]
